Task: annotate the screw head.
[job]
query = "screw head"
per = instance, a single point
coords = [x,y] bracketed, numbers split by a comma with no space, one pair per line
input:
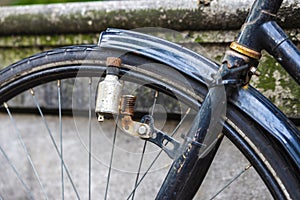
[142,130]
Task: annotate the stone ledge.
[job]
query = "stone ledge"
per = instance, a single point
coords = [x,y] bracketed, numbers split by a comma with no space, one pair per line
[97,16]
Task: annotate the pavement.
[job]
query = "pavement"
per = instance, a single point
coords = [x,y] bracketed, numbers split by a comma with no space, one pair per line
[44,156]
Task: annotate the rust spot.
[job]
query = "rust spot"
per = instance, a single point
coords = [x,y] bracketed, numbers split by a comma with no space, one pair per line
[113,61]
[127,122]
[127,105]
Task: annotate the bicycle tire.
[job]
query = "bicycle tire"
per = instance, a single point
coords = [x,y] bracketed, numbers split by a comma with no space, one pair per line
[263,153]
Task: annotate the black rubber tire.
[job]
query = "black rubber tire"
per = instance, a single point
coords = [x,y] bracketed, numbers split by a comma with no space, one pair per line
[263,153]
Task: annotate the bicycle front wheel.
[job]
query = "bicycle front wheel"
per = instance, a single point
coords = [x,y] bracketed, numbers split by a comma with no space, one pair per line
[58,158]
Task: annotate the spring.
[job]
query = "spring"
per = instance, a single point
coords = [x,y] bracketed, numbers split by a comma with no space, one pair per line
[127,105]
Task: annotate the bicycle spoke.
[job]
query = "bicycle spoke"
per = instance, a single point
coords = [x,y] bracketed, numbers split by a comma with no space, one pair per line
[181,121]
[231,181]
[158,155]
[25,150]
[111,158]
[139,169]
[90,136]
[146,172]
[17,173]
[61,140]
[153,106]
[144,147]
[53,142]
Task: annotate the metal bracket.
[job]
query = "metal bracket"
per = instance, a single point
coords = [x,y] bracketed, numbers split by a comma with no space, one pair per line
[145,130]
[237,69]
[167,143]
[134,128]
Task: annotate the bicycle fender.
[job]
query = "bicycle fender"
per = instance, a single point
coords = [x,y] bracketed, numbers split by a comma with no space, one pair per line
[250,101]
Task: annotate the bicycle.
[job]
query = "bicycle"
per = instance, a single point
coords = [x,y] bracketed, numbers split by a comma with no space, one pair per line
[213,103]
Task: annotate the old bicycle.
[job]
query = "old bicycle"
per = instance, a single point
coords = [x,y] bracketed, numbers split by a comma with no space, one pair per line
[121,73]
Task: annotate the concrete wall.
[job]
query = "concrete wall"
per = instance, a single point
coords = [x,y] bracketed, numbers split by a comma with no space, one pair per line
[208,29]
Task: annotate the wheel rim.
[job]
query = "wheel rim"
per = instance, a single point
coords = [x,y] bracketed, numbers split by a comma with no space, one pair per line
[53,74]
[72,71]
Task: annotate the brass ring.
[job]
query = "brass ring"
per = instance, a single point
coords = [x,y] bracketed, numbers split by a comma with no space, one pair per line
[244,50]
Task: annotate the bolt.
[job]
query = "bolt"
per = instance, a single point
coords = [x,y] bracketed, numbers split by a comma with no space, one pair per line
[254,71]
[142,130]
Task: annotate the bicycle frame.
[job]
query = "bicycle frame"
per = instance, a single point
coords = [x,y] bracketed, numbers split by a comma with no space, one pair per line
[259,32]
[239,64]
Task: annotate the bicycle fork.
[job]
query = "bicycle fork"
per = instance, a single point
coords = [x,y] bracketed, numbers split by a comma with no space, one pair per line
[195,160]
